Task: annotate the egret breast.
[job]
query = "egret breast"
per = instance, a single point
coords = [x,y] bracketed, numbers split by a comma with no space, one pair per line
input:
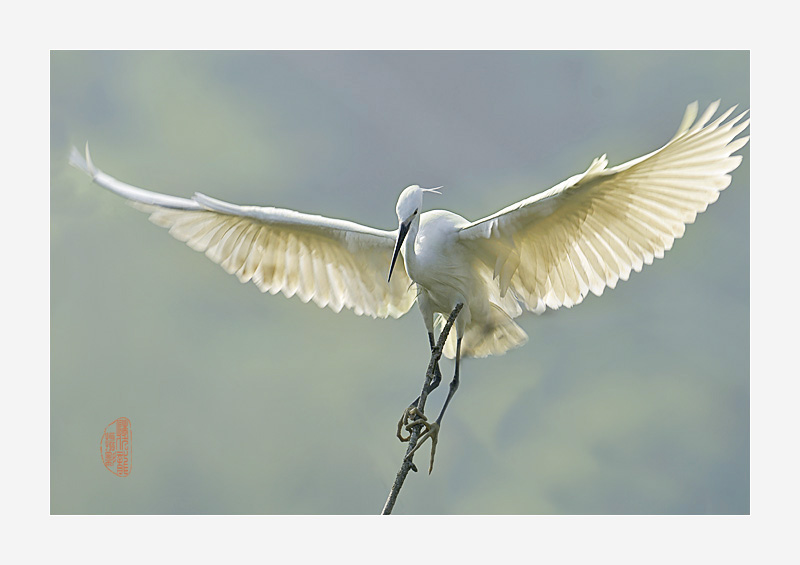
[437,262]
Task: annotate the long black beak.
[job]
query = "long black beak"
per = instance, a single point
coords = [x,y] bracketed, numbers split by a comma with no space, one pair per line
[400,238]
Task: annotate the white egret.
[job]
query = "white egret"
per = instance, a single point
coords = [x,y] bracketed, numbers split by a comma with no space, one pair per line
[549,250]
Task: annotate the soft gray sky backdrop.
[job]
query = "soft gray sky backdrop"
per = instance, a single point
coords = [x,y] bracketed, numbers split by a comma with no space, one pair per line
[633,402]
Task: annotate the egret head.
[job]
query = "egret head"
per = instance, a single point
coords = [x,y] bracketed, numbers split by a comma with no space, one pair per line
[408,209]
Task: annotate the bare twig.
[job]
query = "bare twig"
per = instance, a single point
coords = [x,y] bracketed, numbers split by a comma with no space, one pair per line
[408,462]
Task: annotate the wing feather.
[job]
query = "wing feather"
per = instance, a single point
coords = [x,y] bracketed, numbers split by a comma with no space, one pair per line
[336,263]
[593,229]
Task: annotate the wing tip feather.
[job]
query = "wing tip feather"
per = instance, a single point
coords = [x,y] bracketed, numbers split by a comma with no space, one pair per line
[83,163]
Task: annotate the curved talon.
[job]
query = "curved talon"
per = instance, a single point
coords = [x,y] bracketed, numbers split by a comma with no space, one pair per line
[401,423]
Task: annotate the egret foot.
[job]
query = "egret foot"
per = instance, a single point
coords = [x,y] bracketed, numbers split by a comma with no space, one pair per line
[404,422]
[431,431]
[411,417]
[407,413]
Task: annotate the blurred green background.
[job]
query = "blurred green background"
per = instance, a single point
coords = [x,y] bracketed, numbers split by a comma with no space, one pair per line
[240,403]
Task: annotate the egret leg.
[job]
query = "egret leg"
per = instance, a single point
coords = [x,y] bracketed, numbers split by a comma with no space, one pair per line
[412,410]
[453,383]
[432,430]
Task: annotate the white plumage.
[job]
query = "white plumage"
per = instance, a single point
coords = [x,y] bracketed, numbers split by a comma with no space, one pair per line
[335,263]
[549,250]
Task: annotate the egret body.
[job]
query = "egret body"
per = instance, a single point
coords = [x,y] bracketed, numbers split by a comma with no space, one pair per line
[548,250]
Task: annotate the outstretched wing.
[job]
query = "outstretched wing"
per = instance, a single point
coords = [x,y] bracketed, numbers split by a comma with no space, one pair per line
[335,263]
[589,231]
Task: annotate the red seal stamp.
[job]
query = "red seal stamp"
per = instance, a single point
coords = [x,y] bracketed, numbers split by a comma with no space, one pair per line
[116,447]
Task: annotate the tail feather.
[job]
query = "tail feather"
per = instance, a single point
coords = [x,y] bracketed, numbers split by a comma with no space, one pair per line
[493,336]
